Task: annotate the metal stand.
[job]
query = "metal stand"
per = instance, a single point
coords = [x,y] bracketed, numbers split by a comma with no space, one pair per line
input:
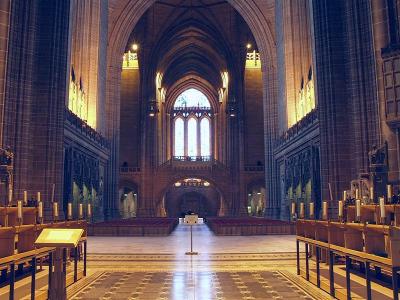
[191,243]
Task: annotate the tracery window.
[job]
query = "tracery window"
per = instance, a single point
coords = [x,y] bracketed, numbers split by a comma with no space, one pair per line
[192,126]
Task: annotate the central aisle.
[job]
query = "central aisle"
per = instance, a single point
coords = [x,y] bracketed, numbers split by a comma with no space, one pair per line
[227,268]
[203,239]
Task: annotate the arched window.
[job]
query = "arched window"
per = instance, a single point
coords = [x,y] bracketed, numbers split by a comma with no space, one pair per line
[205,137]
[192,137]
[192,98]
[191,115]
[179,137]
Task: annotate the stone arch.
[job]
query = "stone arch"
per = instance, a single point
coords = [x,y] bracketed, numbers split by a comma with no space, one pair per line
[164,188]
[123,18]
[127,205]
[195,82]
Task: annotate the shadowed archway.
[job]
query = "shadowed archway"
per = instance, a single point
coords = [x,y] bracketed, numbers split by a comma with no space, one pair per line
[125,16]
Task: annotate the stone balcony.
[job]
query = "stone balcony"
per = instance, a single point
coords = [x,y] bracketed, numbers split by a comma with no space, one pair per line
[78,126]
[254,168]
[299,128]
[193,163]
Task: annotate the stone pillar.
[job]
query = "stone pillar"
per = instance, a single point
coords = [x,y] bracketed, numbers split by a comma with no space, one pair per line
[4,31]
[35,95]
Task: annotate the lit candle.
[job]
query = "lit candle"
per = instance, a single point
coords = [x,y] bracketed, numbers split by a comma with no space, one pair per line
[80,211]
[69,211]
[340,209]
[25,197]
[293,208]
[40,209]
[325,210]
[382,207]
[55,209]
[89,210]
[19,210]
[38,196]
[301,210]
[357,196]
[371,193]
[389,192]
[358,208]
[344,195]
[10,194]
[311,209]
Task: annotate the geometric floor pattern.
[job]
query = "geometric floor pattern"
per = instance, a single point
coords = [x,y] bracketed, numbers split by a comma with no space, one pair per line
[192,285]
[226,268]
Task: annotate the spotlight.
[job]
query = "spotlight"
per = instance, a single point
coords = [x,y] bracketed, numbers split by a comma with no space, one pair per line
[248,46]
[135,47]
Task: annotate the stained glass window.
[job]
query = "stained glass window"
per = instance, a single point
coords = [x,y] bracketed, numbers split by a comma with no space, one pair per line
[192,98]
[179,137]
[205,137]
[192,137]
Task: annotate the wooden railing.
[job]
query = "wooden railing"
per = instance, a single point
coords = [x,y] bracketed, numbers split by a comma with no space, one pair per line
[17,248]
[370,244]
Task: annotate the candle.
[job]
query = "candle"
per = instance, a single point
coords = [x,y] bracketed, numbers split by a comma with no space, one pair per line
[19,210]
[301,210]
[38,196]
[389,192]
[358,208]
[311,209]
[371,193]
[340,209]
[10,194]
[325,210]
[293,208]
[357,196]
[40,209]
[53,192]
[344,195]
[25,197]
[80,211]
[89,210]
[382,207]
[55,209]
[69,211]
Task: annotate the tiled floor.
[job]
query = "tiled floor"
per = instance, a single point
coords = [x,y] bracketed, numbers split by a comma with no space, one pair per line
[204,241]
[192,285]
[229,268]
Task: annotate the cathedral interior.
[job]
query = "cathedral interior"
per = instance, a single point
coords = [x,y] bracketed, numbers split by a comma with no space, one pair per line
[266,131]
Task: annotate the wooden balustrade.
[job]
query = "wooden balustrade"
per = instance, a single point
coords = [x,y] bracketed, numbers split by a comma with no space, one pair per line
[370,244]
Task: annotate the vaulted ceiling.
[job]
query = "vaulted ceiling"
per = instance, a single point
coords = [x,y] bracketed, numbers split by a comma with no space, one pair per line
[186,38]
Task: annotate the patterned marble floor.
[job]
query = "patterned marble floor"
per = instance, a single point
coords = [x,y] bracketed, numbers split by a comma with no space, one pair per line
[226,268]
[203,239]
[192,285]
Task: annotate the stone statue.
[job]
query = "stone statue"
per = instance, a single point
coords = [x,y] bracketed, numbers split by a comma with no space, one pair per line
[6,157]
[377,156]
